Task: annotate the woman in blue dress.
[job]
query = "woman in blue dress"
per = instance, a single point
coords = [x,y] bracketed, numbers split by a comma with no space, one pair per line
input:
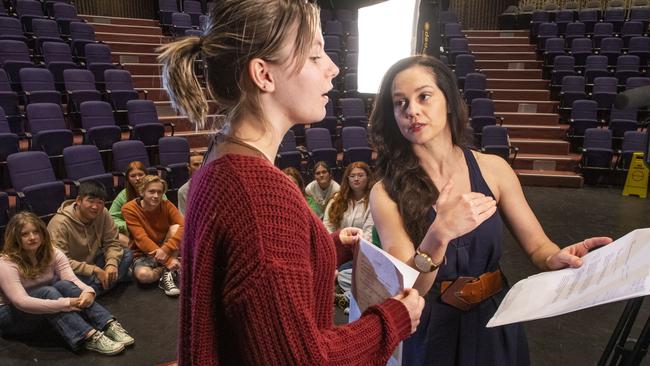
[440,208]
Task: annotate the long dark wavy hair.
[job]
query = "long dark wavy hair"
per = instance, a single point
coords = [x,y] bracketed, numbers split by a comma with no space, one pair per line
[397,166]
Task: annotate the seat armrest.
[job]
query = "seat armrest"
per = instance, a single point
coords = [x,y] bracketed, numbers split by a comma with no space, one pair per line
[170,125]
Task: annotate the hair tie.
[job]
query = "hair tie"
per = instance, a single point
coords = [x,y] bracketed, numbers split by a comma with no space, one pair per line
[198,46]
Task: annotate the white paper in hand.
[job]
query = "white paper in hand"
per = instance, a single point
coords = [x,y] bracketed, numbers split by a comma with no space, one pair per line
[376,277]
[617,271]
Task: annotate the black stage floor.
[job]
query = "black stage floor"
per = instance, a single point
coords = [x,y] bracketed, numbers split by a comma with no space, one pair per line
[567,215]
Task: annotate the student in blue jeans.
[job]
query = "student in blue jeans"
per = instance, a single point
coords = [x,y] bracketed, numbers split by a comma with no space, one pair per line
[38,287]
[85,232]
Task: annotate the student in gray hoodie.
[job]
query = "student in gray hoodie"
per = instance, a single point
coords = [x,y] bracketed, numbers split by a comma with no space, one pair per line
[84,230]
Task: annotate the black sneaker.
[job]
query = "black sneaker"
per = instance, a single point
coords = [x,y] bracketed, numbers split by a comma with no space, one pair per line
[167,284]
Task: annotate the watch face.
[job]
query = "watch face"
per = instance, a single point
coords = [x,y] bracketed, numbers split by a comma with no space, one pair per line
[421,263]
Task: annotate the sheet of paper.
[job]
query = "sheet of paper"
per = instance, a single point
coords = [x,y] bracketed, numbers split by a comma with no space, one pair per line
[377,276]
[617,271]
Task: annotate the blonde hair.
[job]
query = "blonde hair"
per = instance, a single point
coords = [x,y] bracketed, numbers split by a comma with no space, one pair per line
[13,249]
[149,179]
[237,32]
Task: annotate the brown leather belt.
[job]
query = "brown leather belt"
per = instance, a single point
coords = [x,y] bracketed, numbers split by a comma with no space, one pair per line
[466,292]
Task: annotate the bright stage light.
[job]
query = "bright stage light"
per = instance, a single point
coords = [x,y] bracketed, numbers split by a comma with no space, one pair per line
[387,33]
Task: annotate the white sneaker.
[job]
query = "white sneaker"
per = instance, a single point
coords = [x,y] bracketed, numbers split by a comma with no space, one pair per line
[115,332]
[167,284]
[100,343]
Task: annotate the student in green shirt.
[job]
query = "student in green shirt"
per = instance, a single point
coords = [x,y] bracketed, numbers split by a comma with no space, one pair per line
[134,173]
[294,174]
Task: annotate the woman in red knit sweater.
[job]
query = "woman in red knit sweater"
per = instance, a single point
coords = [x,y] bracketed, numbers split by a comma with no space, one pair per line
[258,265]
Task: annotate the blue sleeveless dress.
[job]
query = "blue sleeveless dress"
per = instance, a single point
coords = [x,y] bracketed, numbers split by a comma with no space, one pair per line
[448,336]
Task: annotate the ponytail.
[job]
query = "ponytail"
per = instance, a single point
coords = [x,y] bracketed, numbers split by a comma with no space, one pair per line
[180,81]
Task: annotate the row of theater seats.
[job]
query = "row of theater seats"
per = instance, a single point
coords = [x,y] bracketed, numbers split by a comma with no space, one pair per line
[36,187]
[601,91]
[340,113]
[589,57]
[63,11]
[48,132]
[589,18]
[46,30]
[600,31]
[520,17]
[600,157]
[320,147]
[37,85]
[42,61]
[190,8]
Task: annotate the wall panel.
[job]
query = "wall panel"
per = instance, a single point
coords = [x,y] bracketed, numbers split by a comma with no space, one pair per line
[479,14]
[540,3]
[144,9]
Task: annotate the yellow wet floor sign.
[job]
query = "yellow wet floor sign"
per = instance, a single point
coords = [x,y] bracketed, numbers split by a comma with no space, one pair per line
[636,183]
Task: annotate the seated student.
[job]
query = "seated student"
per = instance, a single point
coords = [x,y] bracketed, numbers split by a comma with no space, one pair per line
[86,234]
[38,287]
[323,187]
[296,177]
[134,173]
[157,229]
[196,160]
[349,207]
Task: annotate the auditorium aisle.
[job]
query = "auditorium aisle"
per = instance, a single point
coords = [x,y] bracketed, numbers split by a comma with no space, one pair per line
[522,98]
[568,215]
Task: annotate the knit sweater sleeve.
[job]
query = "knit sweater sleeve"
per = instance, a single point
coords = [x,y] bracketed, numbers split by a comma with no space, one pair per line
[268,289]
[116,211]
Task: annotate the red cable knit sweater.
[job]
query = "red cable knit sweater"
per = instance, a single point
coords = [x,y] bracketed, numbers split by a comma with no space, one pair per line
[258,277]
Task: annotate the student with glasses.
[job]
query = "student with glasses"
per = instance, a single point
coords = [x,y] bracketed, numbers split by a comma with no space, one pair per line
[349,206]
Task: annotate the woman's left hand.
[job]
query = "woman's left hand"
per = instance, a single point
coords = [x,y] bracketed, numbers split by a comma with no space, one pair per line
[350,235]
[86,299]
[571,256]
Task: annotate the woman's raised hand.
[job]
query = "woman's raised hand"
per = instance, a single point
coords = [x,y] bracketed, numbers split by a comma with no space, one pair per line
[456,215]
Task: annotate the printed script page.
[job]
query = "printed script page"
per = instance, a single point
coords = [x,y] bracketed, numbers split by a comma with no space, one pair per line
[617,271]
[376,277]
